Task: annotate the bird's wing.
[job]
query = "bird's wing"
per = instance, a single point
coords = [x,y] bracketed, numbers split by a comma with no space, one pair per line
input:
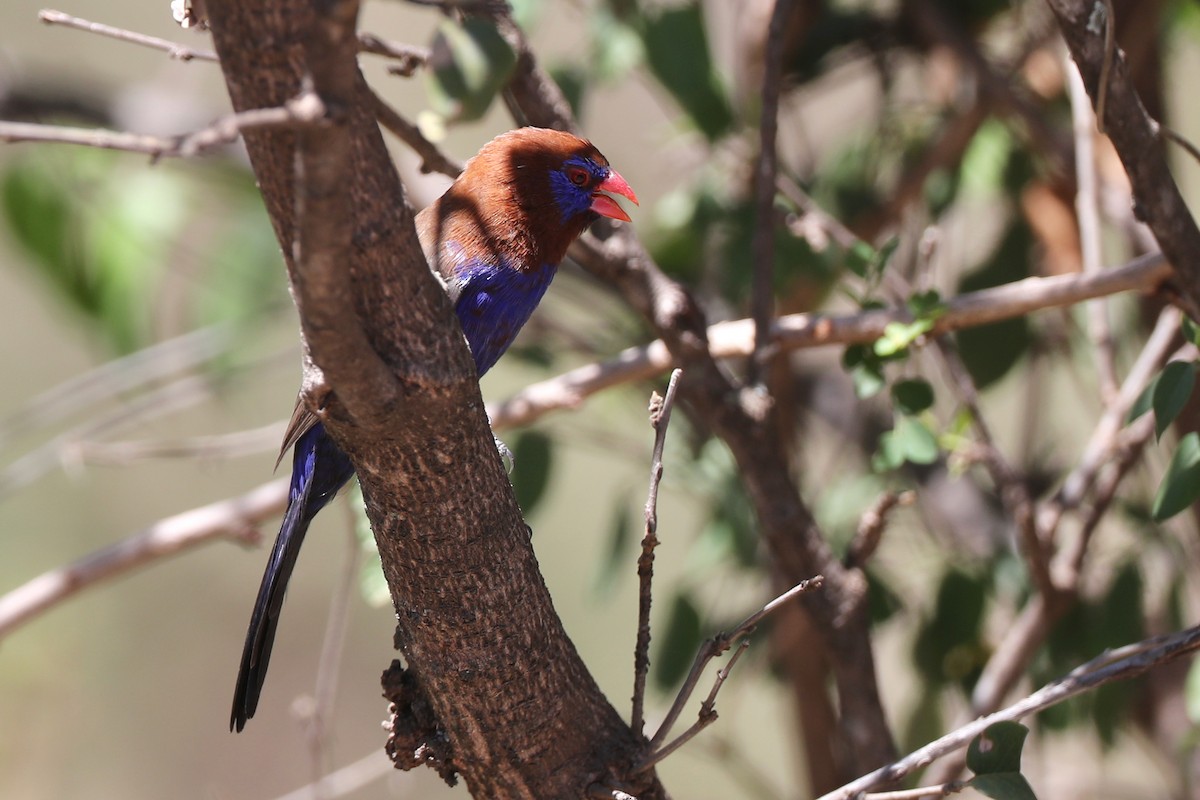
[301,422]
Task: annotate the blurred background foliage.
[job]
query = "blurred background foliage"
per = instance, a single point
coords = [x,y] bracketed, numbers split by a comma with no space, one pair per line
[926,152]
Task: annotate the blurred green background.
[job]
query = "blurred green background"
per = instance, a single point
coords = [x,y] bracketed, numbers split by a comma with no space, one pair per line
[124,691]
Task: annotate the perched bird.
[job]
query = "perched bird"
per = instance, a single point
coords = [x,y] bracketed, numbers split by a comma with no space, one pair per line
[495,239]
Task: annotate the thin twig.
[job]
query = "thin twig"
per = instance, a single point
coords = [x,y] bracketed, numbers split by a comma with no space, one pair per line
[349,778]
[713,647]
[114,378]
[219,446]
[173,49]
[236,518]
[1105,7]
[660,418]
[1178,138]
[1014,494]
[31,466]
[432,158]
[871,526]
[764,192]
[410,58]
[325,691]
[1113,665]
[303,110]
[735,338]
[706,717]
[1088,211]
[1098,449]
[942,790]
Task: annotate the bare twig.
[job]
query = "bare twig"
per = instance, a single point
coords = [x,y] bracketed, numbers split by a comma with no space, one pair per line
[872,524]
[223,446]
[1178,138]
[173,396]
[764,192]
[349,778]
[713,647]
[707,715]
[735,338]
[304,110]
[235,518]
[1014,494]
[409,57]
[953,787]
[1114,665]
[173,49]
[114,378]
[1088,211]
[1104,9]
[325,692]
[1098,449]
[660,418]
[1138,142]
[432,158]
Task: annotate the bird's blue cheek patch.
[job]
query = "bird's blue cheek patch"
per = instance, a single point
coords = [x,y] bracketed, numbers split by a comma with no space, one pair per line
[573,200]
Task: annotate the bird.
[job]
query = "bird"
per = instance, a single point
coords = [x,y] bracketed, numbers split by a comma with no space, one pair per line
[495,239]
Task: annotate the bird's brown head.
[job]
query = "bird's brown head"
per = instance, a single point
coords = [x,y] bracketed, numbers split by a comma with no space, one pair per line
[530,192]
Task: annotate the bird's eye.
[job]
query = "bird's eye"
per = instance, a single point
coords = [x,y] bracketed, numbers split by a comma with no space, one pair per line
[578,176]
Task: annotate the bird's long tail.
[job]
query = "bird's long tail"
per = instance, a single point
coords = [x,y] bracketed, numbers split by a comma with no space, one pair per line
[319,469]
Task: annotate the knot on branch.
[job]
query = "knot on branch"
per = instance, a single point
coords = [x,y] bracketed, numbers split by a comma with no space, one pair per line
[415,737]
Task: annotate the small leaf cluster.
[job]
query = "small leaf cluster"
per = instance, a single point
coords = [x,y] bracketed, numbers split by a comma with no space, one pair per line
[1167,395]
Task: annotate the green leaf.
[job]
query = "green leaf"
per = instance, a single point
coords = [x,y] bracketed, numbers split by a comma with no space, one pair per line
[910,441]
[1171,392]
[1191,331]
[468,65]
[917,442]
[532,458]
[616,47]
[1004,786]
[995,758]
[1181,484]
[1191,692]
[997,749]
[926,305]
[985,160]
[859,258]
[868,380]
[678,54]
[1144,402]
[948,646]
[898,336]
[679,644]
[912,396]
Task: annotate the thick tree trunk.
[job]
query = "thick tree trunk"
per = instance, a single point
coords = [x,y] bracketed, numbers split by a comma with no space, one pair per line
[493,689]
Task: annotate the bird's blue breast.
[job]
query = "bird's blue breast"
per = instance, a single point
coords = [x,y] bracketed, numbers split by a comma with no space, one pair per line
[493,303]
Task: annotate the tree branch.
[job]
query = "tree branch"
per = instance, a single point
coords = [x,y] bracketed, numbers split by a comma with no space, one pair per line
[1137,140]
[1114,665]
[660,418]
[298,112]
[236,518]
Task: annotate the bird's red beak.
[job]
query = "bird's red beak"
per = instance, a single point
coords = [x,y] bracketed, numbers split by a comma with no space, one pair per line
[604,205]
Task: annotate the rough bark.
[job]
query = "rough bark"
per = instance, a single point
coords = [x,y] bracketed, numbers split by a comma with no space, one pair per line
[1138,141]
[493,690]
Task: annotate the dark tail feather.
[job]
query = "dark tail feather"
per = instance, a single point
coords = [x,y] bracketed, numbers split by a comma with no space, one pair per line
[319,469]
[261,636]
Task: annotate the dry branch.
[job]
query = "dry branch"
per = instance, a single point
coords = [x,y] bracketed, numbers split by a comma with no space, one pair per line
[236,518]
[1115,665]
